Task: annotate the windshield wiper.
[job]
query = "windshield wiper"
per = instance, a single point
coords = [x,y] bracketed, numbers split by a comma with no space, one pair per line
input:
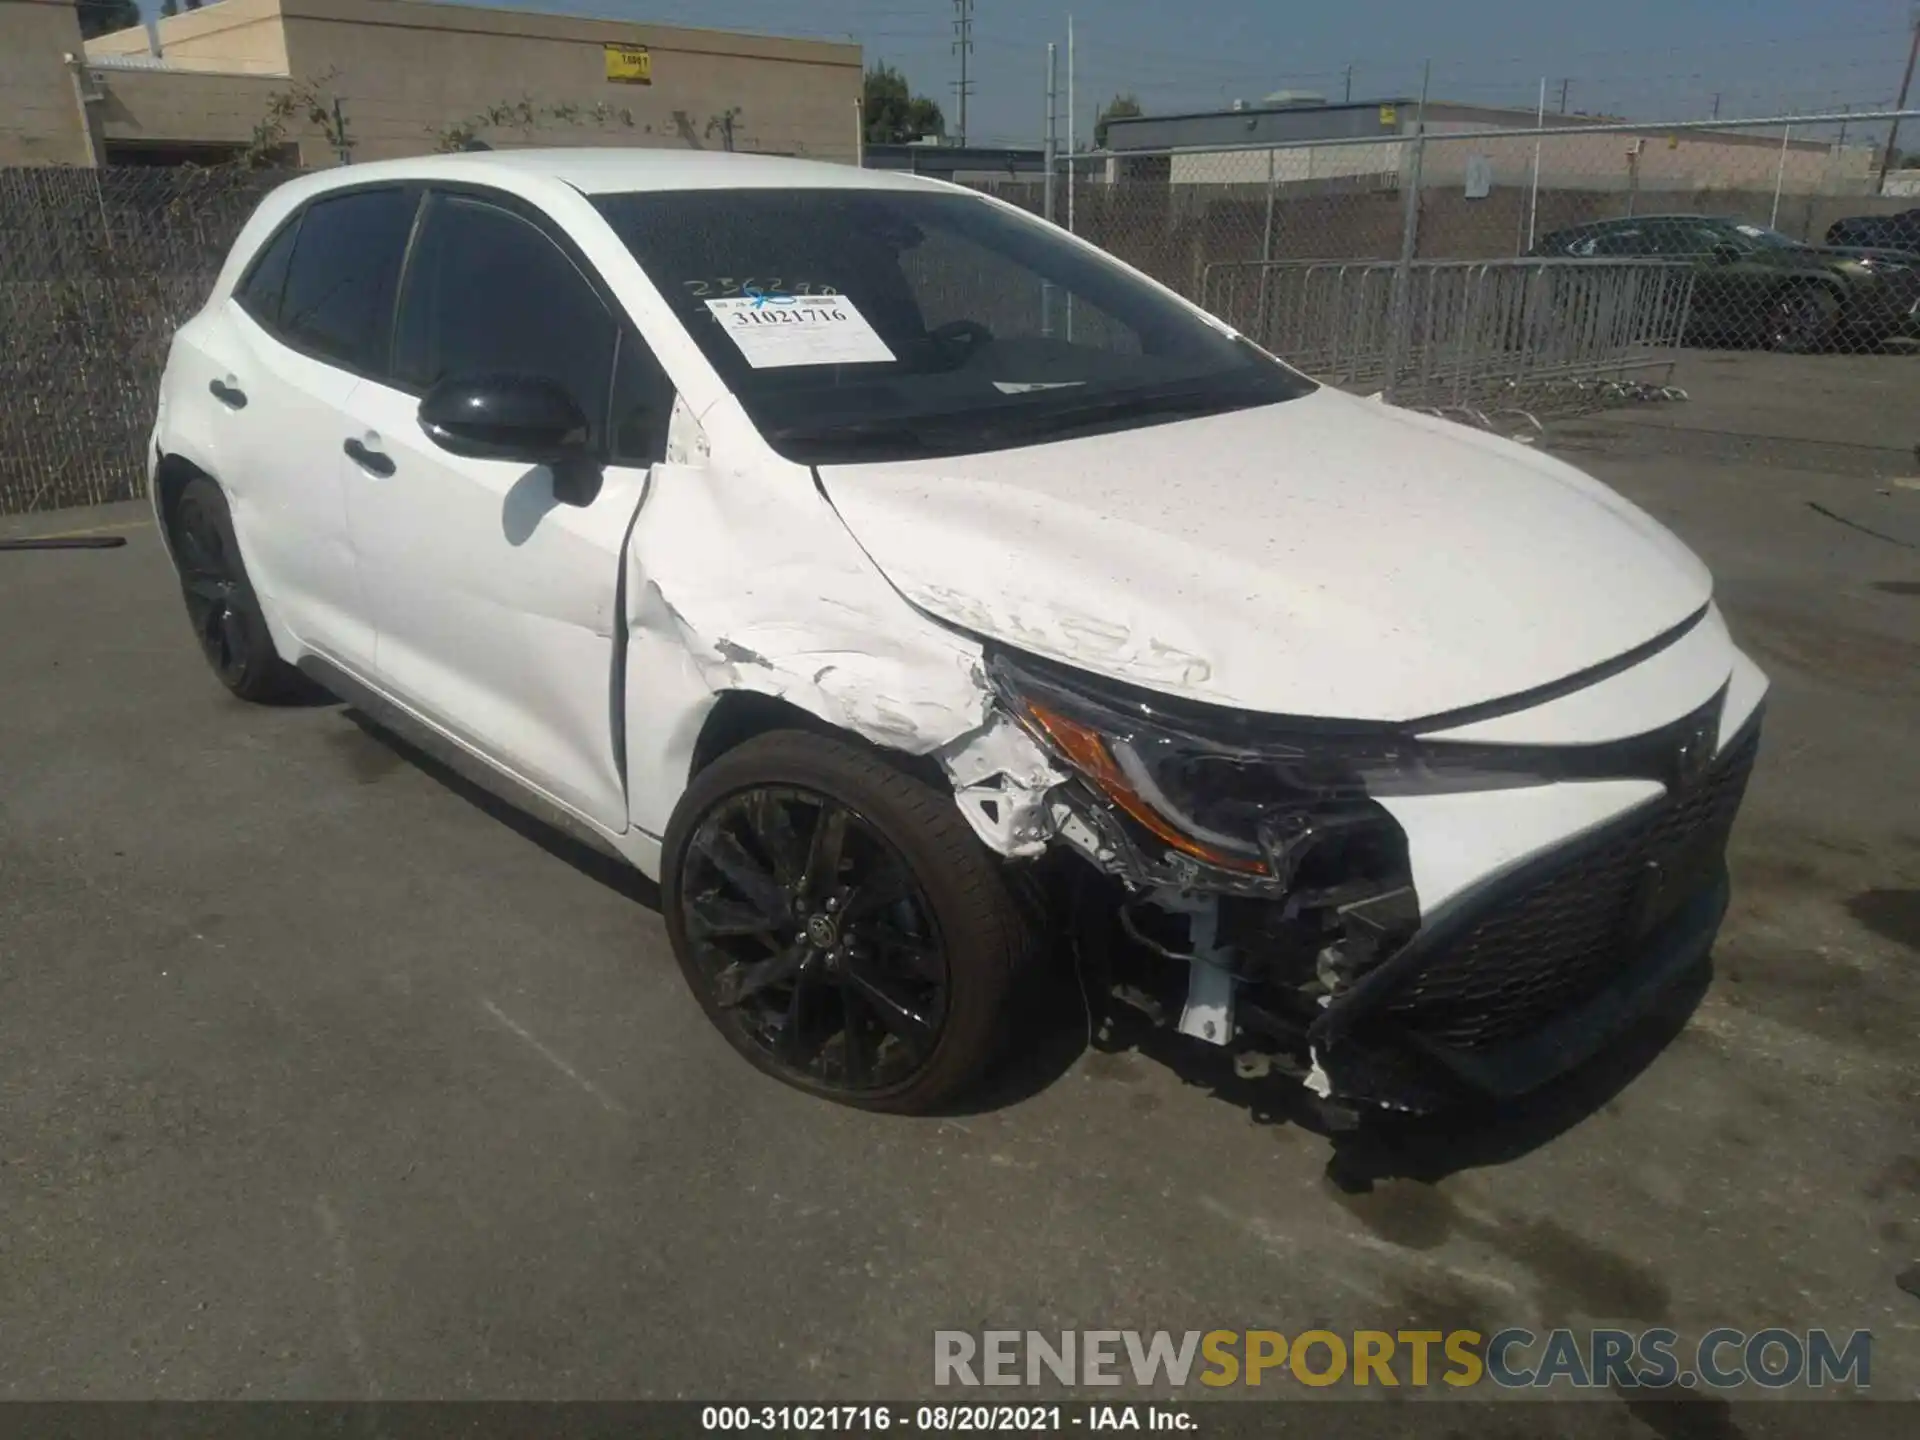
[1053,419]
[867,436]
[959,433]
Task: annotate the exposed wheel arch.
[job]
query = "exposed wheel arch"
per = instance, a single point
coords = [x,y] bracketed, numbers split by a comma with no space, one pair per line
[170,477]
[741,715]
[221,604]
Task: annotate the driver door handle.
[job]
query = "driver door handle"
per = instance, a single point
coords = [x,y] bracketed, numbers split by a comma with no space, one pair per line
[371,461]
[230,396]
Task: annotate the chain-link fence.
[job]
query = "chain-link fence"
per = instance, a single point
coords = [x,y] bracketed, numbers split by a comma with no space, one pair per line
[97,270]
[1539,269]
[1495,275]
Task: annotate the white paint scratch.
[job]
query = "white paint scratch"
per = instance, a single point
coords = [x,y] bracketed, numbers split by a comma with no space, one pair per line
[558,1062]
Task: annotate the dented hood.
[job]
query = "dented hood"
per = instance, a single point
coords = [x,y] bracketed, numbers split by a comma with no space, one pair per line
[1326,556]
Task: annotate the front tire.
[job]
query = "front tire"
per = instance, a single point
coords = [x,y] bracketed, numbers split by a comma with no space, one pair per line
[840,924]
[221,604]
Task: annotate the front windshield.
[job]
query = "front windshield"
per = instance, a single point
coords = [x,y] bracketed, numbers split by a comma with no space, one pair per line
[866,324]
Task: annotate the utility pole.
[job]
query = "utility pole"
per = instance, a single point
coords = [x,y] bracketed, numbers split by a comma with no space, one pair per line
[1052,131]
[1053,162]
[1906,85]
[963,45]
[1563,95]
[1716,105]
[1071,167]
[1349,92]
[1533,187]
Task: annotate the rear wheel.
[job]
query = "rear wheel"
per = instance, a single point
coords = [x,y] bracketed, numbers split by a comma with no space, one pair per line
[1802,318]
[224,611]
[840,924]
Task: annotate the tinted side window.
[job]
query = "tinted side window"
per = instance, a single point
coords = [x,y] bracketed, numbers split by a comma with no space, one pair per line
[1702,241]
[487,292]
[642,404]
[1674,239]
[259,293]
[346,265]
[1622,242]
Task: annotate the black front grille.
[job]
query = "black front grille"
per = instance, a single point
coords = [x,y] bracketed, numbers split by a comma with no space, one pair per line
[1535,955]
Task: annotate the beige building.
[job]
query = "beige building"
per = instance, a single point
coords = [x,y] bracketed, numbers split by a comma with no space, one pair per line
[39,102]
[1372,148]
[404,77]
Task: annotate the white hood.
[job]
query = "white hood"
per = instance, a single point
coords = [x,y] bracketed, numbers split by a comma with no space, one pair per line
[1326,556]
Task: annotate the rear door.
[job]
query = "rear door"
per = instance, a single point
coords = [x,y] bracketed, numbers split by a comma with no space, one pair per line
[311,317]
[1724,299]
[498,606]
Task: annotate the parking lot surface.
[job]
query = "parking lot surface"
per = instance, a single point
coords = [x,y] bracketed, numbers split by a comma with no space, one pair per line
[326,1076]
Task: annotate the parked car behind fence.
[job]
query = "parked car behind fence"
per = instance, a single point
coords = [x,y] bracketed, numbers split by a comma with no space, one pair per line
[1753,285]
[1890,232]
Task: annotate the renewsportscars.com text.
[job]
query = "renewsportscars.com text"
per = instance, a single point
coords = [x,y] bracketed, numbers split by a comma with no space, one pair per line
[1721,1359]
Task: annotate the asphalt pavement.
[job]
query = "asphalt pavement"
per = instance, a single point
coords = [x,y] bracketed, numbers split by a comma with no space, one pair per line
[323,1075]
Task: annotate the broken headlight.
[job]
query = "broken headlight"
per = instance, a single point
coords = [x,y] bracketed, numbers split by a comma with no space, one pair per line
[1240,791]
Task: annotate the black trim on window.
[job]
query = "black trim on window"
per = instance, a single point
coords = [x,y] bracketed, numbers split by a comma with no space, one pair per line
[541,221]
[400,287]
[627,332]
[655,450]
[519,210]
[277,330]
[288,229]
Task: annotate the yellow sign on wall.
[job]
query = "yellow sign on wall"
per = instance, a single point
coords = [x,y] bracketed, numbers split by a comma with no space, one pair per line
[629,64]
[1389,115]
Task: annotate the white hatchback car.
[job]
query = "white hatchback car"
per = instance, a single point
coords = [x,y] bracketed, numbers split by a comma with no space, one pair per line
[901,580]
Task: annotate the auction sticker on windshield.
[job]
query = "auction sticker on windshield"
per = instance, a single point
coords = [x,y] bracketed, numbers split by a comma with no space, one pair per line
[775,330]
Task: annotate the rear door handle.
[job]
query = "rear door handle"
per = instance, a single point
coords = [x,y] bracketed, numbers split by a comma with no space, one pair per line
[371,461]
[230,396]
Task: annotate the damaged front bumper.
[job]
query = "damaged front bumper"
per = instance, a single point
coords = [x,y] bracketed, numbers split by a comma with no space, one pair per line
[1326,958]
[1540,968]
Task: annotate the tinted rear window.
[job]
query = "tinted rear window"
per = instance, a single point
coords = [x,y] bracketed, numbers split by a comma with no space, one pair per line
[259,294]
[346,266]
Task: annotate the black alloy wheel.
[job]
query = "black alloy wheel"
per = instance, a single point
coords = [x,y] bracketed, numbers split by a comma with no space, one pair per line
[839,923]
[809,929]
[1801,319]
[220,601]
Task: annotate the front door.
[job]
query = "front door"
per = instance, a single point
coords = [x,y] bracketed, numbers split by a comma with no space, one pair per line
[497,606]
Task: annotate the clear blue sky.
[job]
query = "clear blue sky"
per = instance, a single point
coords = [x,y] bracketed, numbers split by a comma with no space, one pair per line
[1649,59]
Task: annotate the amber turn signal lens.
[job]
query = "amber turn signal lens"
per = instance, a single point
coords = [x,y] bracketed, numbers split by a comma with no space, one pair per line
[1088,751]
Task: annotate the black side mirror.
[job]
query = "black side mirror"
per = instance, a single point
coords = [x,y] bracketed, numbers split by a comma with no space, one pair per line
[527,419]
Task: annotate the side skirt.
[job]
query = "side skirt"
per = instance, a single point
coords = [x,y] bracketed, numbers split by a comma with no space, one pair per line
[636,848]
